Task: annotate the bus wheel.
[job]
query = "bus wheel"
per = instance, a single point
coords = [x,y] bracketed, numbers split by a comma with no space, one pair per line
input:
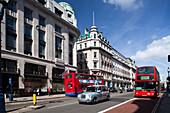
[94,100]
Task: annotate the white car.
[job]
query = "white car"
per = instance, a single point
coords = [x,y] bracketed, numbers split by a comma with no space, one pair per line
[93,94]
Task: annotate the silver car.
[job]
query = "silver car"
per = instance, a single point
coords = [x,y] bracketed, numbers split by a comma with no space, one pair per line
[93,94]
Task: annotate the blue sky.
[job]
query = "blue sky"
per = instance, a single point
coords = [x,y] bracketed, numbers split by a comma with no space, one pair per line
[139,29]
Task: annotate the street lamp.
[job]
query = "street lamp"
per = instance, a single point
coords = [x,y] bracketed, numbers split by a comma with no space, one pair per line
[2,102]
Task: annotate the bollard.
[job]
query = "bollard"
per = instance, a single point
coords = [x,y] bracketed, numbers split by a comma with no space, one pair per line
[34,99]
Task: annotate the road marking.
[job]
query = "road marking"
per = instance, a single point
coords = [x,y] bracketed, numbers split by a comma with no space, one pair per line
[157,105]
[116,106]
[62,105]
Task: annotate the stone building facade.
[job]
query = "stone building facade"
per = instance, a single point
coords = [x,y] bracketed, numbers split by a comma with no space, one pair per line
[96,56]
[38,45]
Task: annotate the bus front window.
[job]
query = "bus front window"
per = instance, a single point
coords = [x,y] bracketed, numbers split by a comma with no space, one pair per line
[150,86]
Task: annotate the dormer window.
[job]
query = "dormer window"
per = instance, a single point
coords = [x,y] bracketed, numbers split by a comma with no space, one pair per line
[58,12]
[94,35]
[69,15]
[43,2]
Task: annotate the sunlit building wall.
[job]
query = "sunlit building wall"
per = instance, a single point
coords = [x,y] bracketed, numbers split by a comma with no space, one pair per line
[38,45]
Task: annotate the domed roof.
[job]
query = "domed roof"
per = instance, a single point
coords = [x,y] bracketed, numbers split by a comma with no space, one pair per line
[67,7]
[93,28]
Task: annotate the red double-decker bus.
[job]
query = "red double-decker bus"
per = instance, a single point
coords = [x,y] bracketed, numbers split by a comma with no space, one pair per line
[147,81]
[75,83]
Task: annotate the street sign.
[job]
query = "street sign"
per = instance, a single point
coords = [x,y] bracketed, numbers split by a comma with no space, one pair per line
[110,84]
[10,80]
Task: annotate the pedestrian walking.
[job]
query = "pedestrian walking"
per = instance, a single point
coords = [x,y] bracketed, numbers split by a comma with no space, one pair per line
[49,91]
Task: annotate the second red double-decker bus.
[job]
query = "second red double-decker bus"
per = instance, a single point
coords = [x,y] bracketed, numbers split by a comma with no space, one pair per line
[147,81]
[75,83]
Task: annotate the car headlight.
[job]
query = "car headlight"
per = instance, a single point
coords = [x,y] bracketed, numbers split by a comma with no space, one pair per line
[79,95]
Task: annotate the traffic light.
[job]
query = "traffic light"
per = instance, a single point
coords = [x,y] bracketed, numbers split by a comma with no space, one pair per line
[168,58]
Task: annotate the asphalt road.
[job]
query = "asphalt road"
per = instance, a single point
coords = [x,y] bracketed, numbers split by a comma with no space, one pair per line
[71,105]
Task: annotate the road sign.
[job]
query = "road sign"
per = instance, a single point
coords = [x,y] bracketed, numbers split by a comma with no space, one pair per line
[10,80]
[110,84]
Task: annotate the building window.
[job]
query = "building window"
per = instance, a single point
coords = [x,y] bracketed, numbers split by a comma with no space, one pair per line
[69,15]
[57,29]
[85,45]
[11,42]
[94,35]
[95,54]
[86,65]
[41,51]
[11,23]
[80,46]
[94,43]
[27,13]
[12,6]
[58,12]
[8,65]
[27,39]
[41,44]
[34,69]
[70,54]
[71,38]
[58,49]
[42,21]
[95,64]
[81,56]
[27,47]
[81,66]
[11,33]
[85,55]
[41,35]
[28,30]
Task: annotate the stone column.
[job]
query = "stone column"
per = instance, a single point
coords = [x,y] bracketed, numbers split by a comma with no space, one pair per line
[20,66]
[20,28]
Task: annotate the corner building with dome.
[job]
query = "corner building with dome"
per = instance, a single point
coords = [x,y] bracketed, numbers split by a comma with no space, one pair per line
[96,56]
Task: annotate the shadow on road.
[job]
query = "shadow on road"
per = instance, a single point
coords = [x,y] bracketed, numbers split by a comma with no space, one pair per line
[145,105]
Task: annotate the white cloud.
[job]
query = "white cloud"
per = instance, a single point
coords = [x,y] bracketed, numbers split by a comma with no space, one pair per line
[103,27]
[129,42]
[156,50]
[154,36]
[126,4]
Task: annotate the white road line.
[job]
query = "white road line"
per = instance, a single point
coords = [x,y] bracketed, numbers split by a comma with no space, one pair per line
[62,105]
[116,106]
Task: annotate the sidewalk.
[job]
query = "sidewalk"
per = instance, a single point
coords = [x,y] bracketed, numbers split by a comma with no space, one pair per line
[164,106]
[30,98]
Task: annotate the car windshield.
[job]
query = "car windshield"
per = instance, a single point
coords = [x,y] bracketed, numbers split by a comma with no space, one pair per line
[91,89]
[150,86]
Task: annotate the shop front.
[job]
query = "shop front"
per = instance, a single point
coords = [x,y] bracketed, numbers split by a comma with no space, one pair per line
[9,71]
[58,81]
[35,79]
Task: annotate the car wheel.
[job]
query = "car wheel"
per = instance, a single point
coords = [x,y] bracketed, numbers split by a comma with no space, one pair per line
[108,97]
[80,102]
[94,100]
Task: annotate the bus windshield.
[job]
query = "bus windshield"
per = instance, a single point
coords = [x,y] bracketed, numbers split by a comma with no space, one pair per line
[148,86]
[145,70]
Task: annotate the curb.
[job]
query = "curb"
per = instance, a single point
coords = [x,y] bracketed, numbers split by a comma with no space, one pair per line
[15,101]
